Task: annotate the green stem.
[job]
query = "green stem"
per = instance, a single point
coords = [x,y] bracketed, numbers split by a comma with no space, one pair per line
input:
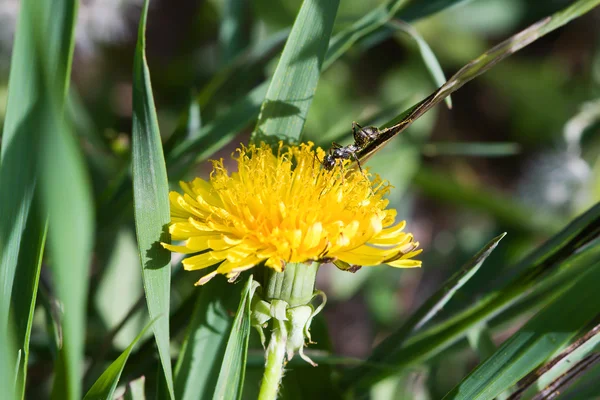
[275,357]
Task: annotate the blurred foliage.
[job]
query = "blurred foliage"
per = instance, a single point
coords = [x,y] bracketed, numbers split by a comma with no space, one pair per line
[205,58]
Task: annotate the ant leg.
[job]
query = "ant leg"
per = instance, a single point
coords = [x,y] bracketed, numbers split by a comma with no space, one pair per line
[316,157]
[342,174]
[358,163]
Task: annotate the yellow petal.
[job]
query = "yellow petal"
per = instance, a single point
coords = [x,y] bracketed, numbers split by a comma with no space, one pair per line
[405,264]
[200,261]
[393,231]
[205,278]
[177,249]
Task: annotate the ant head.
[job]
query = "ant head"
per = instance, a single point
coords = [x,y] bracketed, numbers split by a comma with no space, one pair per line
[338,153]
[370,131]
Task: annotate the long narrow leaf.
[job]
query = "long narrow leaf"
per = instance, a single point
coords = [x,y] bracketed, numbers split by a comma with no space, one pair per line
[71,239]
[433,340]
[61,170]
[294,83]
[429,58]
[541,337]
[26,287]
[477,67]
[567,363]
[22,233]
[151,202]
[233,368]
[105,386]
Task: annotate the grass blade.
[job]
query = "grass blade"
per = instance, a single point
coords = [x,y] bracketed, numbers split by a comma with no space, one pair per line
[233,368]
[151,202]
[26,287]
[569,362]
[364,375]
[429,58]
[414,9]
[105,386]
[47,46]
[63,171]
[203,350]
[571,255]
[541,337]
[294,82]
[582,384]
[244,111]
[478,66]
[22,229]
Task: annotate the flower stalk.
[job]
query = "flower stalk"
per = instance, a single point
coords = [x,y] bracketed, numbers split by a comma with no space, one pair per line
[286,300]
[275,360]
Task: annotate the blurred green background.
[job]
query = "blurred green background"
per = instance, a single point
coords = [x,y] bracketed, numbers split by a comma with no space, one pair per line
[518,152]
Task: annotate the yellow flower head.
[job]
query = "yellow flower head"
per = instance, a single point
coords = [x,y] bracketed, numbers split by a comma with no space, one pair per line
[285,207]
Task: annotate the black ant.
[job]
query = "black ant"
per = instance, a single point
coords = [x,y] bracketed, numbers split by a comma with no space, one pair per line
[362,136]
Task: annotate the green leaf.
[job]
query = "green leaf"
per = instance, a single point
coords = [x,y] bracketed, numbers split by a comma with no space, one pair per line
[9,363]
[429,58]
[365,375]
[105,386]
[586,387]
[563,368]
[294,82]
[61,170]
[558,265]
[231,376]
[415,9]
[580,231]
[151,201]
[26,287]
[23,229]
[203,349]
[546,333]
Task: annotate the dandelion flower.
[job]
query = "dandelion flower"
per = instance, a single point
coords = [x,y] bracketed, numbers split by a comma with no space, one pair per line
[283,208]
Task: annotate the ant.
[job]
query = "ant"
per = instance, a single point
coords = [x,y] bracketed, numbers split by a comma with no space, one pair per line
[362,136]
